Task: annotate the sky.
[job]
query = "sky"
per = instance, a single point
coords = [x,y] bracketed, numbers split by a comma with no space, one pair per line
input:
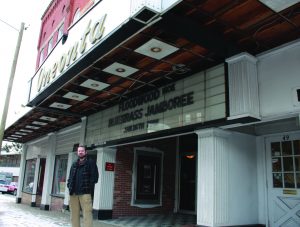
[12,13]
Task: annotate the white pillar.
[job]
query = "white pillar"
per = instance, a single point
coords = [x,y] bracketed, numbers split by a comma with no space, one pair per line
[83,130]
[35,182]
[243,87]
[212,189]
[21,175]
[103,195]
[48,178]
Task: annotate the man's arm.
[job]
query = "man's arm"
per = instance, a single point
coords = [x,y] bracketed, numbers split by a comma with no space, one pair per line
[94,172]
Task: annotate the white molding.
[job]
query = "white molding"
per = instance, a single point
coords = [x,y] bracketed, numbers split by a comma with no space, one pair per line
[278,50]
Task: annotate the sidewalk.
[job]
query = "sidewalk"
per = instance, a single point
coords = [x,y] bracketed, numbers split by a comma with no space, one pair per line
[21,215]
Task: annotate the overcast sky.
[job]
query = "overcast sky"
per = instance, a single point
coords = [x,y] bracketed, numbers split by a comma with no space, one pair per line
[14,12]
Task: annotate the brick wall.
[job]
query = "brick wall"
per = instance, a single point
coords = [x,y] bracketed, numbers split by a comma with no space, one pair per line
[38,200]
[26,198]
[123,179]
[57,203]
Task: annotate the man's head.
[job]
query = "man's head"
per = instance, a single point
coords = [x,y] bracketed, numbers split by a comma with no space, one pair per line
[81,151]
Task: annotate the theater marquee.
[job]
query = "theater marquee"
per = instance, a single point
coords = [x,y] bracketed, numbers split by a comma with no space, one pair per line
[196,99]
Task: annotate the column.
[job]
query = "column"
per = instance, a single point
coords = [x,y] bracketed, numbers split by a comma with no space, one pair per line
[35,182]
[104,189]
[21,175]
[243,87]
[212,177]
[83,130]
[48,178]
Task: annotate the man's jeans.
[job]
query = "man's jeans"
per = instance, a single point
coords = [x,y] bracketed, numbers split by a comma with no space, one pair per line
[85,202]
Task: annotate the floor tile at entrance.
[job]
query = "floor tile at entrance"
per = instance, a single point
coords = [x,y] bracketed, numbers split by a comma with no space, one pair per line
[173,220]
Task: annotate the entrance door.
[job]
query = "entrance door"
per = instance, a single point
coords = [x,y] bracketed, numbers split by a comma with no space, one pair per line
[41,176]
[187,187]
[283,169]
[187,173]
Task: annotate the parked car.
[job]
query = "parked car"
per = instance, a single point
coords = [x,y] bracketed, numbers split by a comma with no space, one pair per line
[3,186]
[12,188]
[8,188]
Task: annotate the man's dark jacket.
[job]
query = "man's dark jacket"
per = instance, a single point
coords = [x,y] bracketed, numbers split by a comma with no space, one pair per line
[83,177]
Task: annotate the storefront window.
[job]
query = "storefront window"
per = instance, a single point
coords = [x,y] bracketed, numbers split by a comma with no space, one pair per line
[29,175]
[148,178]
[60,173]
[60,32]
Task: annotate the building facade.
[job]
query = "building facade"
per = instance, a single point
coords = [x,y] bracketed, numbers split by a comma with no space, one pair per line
[186,107]
[10,166]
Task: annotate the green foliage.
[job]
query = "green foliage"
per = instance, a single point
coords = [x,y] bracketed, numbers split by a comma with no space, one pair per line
[12,147]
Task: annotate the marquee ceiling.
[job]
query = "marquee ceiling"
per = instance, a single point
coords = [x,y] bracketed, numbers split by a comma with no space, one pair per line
[193,36]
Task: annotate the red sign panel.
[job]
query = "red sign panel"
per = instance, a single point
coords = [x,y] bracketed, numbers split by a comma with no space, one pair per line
[109,166]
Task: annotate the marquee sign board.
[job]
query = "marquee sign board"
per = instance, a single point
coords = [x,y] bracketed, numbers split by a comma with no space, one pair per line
[196,99]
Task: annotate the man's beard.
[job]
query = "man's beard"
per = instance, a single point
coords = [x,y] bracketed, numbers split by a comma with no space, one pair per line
[83,156]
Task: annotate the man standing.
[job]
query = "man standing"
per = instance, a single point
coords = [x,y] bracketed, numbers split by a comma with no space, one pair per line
[81,183]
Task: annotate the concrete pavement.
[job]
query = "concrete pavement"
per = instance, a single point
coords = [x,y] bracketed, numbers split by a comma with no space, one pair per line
[21,215]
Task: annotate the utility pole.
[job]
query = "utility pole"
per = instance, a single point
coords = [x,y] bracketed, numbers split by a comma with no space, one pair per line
[10,84]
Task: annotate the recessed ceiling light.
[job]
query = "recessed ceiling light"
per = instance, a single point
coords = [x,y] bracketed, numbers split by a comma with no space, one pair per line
[21,133]
[119,69]
[25,130]
[32,127]
[39,123]
[18,136]
[46,118]
[156,49]
[94,84]
[75,96]
[60,105]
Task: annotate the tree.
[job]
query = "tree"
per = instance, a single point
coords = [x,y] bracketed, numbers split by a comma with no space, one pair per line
[12,147]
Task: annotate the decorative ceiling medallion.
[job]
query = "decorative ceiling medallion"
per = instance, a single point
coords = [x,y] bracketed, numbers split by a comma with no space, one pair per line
[39,123]
[48,118]
[119,69]
[60,105]
[94,84]
[32,127]
[156,49]
[75,96]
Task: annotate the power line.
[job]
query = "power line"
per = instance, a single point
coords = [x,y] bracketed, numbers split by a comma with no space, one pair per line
[9,25]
